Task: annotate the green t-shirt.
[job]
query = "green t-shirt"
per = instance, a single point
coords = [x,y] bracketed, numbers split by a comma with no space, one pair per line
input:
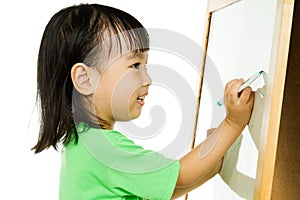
[104,164]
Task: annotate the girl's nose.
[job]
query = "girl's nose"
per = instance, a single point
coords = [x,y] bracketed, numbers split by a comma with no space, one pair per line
[147,80]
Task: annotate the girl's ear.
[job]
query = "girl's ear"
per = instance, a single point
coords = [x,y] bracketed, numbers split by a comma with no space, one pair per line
[83,78]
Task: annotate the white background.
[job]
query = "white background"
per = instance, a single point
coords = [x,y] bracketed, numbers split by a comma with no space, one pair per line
[24,175]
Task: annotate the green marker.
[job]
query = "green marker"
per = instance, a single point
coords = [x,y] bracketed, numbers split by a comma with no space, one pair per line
[248,82]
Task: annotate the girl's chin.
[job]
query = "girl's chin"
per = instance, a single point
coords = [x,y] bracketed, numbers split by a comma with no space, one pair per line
[134,116]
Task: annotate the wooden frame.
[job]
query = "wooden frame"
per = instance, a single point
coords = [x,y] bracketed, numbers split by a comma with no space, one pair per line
[273,97]
[216,5]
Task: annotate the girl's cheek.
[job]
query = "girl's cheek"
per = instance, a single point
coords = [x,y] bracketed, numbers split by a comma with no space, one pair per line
[124,94]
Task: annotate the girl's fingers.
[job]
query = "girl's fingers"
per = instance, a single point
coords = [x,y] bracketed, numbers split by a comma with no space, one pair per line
[231,90]
[238,105]
[231,83]
[246,95]
[251,98]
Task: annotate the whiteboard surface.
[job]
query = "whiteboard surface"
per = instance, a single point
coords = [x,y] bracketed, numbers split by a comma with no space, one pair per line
[239,45]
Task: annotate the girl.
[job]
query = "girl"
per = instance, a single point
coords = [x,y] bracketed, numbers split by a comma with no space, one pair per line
[91,73]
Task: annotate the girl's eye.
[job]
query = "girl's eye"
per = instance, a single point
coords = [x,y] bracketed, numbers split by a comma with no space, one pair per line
[136,65]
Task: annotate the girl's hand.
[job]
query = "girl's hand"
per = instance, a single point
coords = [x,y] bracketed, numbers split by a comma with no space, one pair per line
[204,161]
[238,105]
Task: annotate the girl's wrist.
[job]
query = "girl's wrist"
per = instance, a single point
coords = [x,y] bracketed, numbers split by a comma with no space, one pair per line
[234,125]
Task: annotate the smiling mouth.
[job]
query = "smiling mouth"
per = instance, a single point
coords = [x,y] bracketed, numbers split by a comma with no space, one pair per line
[141,99]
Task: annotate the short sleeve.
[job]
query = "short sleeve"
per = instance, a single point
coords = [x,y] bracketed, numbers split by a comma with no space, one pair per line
[133,171]
[156,184]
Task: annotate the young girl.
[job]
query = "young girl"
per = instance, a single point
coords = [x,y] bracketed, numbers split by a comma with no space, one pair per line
[91,73]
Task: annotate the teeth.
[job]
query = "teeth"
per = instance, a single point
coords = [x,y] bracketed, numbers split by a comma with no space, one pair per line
[141,98]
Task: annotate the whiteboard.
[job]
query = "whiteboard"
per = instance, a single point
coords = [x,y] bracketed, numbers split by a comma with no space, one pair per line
[239,44]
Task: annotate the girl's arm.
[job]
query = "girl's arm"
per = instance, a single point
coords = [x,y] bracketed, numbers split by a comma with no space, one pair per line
[179,191]
[204,161]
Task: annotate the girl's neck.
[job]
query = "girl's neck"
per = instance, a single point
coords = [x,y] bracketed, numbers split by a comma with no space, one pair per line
[108,125]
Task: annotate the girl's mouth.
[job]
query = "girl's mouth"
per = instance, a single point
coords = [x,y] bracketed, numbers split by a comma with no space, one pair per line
[141,99]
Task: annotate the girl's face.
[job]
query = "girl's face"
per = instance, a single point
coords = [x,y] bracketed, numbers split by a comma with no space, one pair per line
[122,87]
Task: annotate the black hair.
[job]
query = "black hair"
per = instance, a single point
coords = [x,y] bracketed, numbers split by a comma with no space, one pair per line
[73,35]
